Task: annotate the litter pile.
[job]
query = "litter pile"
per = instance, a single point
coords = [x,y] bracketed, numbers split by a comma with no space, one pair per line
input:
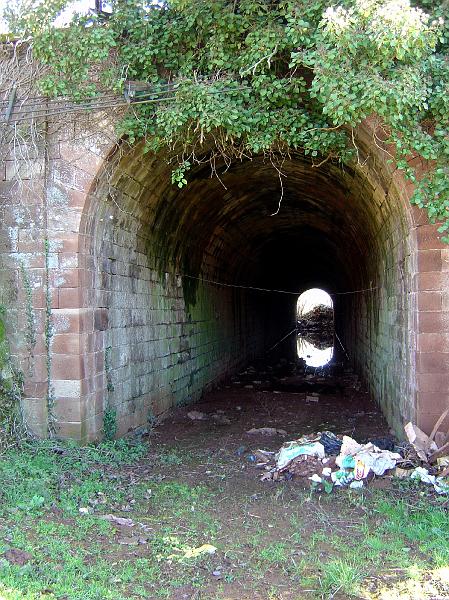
[328,460]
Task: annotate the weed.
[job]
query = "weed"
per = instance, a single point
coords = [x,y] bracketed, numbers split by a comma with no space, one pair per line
[275,554]
[341,576]
[109,423]
[170,457]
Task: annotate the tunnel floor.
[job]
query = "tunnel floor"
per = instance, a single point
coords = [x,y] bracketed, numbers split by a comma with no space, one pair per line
[273,394]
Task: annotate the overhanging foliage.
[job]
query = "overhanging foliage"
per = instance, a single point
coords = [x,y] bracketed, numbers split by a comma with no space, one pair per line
[264,76]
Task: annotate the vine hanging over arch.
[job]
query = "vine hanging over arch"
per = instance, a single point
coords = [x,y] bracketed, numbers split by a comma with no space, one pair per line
[261,76]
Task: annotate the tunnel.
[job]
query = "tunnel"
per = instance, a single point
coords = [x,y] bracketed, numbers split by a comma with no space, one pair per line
[188,285]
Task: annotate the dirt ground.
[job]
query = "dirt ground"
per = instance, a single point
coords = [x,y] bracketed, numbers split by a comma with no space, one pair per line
[281,396]
[83,527]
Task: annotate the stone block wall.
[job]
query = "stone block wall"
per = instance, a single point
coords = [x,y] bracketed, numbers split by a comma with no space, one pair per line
[121,268]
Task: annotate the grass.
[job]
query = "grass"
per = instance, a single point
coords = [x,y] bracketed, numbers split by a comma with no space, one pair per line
[280,543]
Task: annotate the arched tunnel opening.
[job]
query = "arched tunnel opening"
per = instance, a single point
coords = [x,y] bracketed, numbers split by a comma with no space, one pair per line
[315,330]
[198,282]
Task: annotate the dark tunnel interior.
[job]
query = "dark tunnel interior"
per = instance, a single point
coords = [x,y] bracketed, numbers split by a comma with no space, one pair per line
[180,303]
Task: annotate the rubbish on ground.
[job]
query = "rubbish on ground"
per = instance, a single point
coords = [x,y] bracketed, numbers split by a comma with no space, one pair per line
[132,541]
[330,442]
[355,485]
[266,431]
[314,457]
[366,457]
[443,461]
[196,415]
[291,450]
[440,485]
[312,398]
[401,473]
[118,520]
[421,442]
[384,443]
[195,552]
[84,511]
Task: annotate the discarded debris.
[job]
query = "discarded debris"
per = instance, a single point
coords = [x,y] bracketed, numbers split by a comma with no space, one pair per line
[196,415]
[331,443]
[330,461]
[440,485]
[119,520]
[266,431]
[132,541]
[422,443]
[195,552]
[312,398]
[291,450]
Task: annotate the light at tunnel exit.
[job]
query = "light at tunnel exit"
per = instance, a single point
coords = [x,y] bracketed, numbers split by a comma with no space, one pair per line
[315,340]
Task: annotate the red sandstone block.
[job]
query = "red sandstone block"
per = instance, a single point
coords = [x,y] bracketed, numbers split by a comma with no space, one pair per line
[433,280]
[69,430]
[39,369]
[426,422]
[40,298]
[34,390]
[445,258]
[98,382]
[101,319]
[67,320]
[97,342]
[432,382]
[428,237]
[69,242]
[77,199]
[432,402]
[430,342]
[68,409]
[429,260]
[429,301]
[69,278]
[30,246]
[99,362]
[69,298]
[433,362]
[66,366]
[433,322]
[86,278]
[35,414]
[94,428]
[66,343]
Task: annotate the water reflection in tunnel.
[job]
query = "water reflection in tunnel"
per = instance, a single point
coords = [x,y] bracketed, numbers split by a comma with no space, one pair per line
[315,319]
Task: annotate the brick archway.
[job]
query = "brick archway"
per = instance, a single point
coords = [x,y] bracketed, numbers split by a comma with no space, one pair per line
[130,331]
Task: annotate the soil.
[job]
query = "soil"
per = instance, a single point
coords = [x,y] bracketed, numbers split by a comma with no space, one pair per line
[285,397]
[271,396]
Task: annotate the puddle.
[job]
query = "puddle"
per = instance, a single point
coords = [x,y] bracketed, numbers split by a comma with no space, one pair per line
[313,356]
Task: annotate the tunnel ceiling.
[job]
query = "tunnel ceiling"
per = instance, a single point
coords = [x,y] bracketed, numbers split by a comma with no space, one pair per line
[325,233]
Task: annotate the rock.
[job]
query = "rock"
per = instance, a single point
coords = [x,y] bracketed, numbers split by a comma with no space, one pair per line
[266,431]
[196,415]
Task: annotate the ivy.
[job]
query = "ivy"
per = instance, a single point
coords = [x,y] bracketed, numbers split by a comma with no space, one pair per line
[236,78]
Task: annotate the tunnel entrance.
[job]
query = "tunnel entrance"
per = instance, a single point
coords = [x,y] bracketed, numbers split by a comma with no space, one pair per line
[189,285]
[315,327]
